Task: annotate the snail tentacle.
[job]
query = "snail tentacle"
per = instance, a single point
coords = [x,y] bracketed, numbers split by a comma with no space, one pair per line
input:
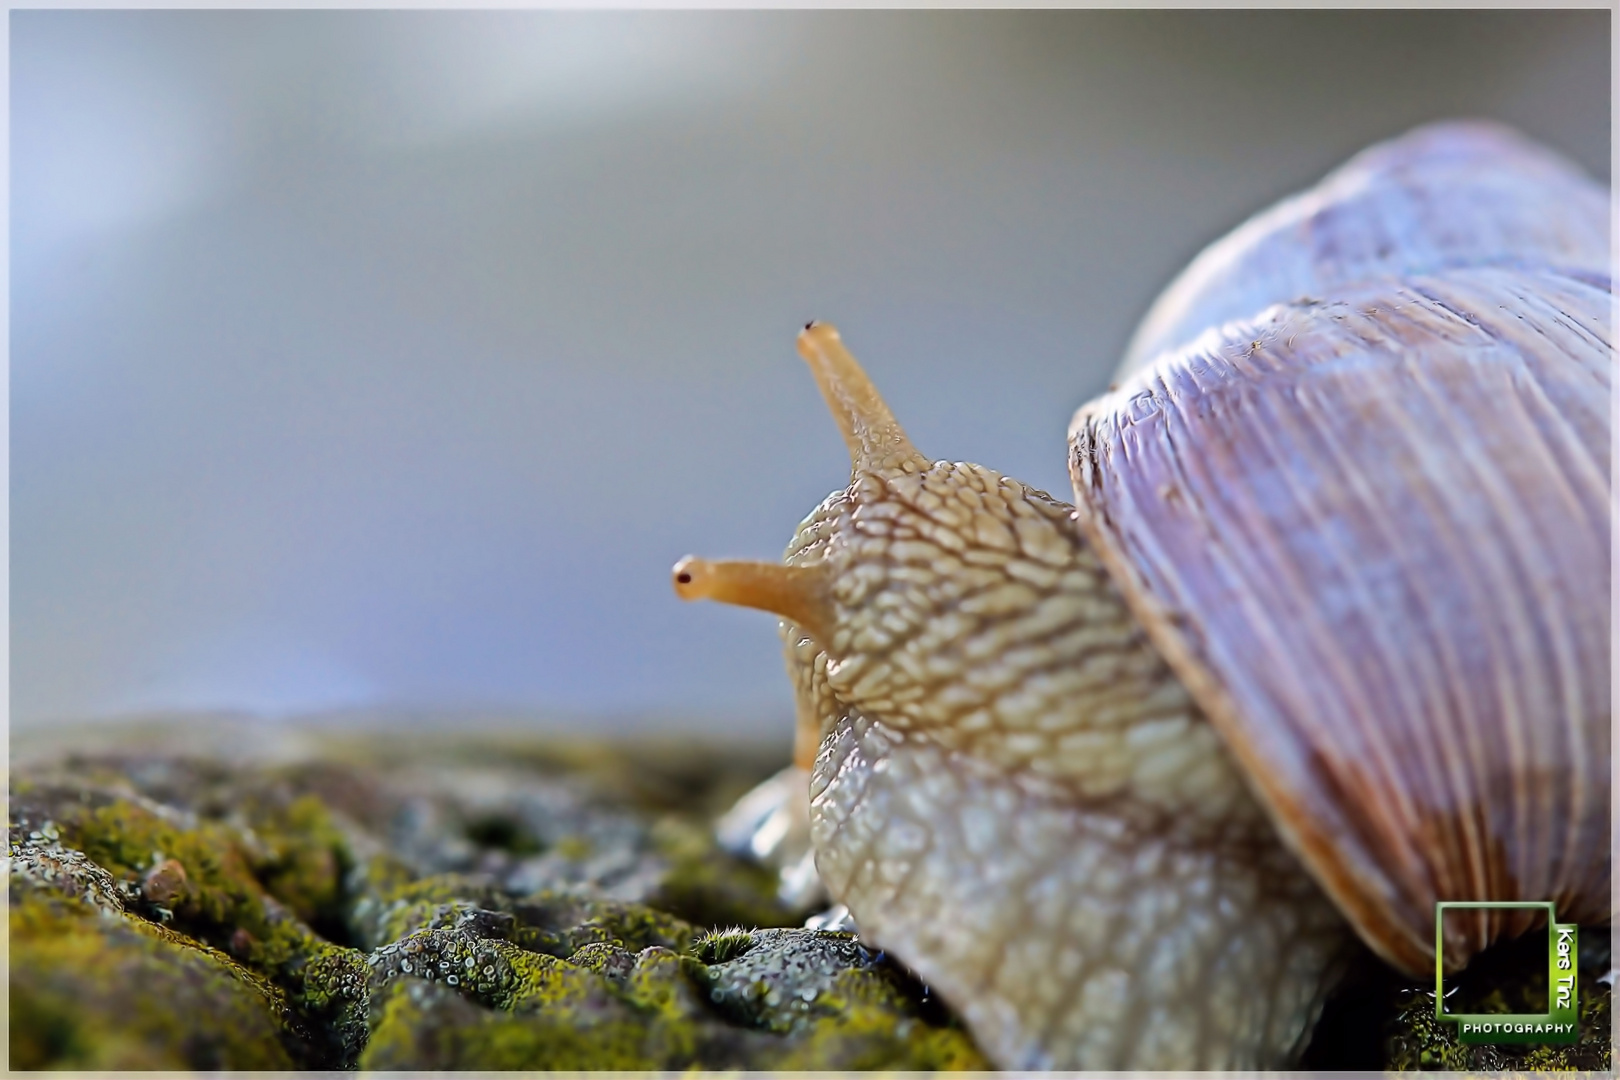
[796,593]
[877,443]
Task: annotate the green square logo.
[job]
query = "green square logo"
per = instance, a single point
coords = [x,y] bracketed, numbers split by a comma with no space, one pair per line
[1557,1025]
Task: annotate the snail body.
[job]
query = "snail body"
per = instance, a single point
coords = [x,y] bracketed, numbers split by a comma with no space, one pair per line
[1323,639]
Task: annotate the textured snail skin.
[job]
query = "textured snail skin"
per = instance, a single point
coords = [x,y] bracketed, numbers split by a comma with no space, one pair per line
[1017,797]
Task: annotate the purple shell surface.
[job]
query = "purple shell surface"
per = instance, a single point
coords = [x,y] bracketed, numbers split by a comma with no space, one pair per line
[1446,194]
[1370,529]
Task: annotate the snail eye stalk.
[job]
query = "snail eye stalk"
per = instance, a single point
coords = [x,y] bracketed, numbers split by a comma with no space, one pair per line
[796,593]
[877,443]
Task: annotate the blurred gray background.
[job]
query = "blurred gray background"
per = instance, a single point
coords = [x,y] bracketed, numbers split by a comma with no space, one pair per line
[384,362]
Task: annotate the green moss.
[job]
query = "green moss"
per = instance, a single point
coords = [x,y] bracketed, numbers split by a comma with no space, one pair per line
[665,983]
[542,1012]
[305,860]
[371,885]
[560,924]
[98,992]
[544,983]
[221,903]
[573,847]
[605,959]
[719,946]
[865,1023]
[662,988]
[553,923]
[390,912]
[380,874]
[710,887]
[423,1026]
[257,888]
[333,994]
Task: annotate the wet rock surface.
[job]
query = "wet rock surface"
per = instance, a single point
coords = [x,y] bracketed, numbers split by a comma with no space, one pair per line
[426,906]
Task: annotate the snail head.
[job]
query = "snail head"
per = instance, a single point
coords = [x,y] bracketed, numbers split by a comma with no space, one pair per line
[944,598]
[800,591]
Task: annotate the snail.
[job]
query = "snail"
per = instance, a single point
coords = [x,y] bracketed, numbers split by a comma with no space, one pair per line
[1322,640]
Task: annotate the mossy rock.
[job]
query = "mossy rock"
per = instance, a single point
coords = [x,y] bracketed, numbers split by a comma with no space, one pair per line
[285,922]
[448,999]
[866,1023]
[711,887]
[303,857]
[838,1004]
[94,990]
[200,881]
[393,907]
[425,1026]
[554,923]
[252,877]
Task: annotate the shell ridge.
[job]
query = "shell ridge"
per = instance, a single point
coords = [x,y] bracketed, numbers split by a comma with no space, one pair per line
[1582,783]
[1302,713]
[1527,389]
[1182,644]
[1454,192]
[1490,587]
[1263,766]
[1445,701]
[1560,423]
[1271,564]
[1518,682]
[1473,286]
[1160,603]
[1392,662]
[1207,352]
[1510,692]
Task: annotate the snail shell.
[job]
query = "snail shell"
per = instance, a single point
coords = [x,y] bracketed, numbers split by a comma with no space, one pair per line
[1371,529]
[1324,639]
[1449,194]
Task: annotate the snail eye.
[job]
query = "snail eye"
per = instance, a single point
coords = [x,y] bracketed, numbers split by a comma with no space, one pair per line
[684,579]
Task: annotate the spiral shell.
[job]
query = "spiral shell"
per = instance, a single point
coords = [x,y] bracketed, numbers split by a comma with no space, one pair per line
[1355,486]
